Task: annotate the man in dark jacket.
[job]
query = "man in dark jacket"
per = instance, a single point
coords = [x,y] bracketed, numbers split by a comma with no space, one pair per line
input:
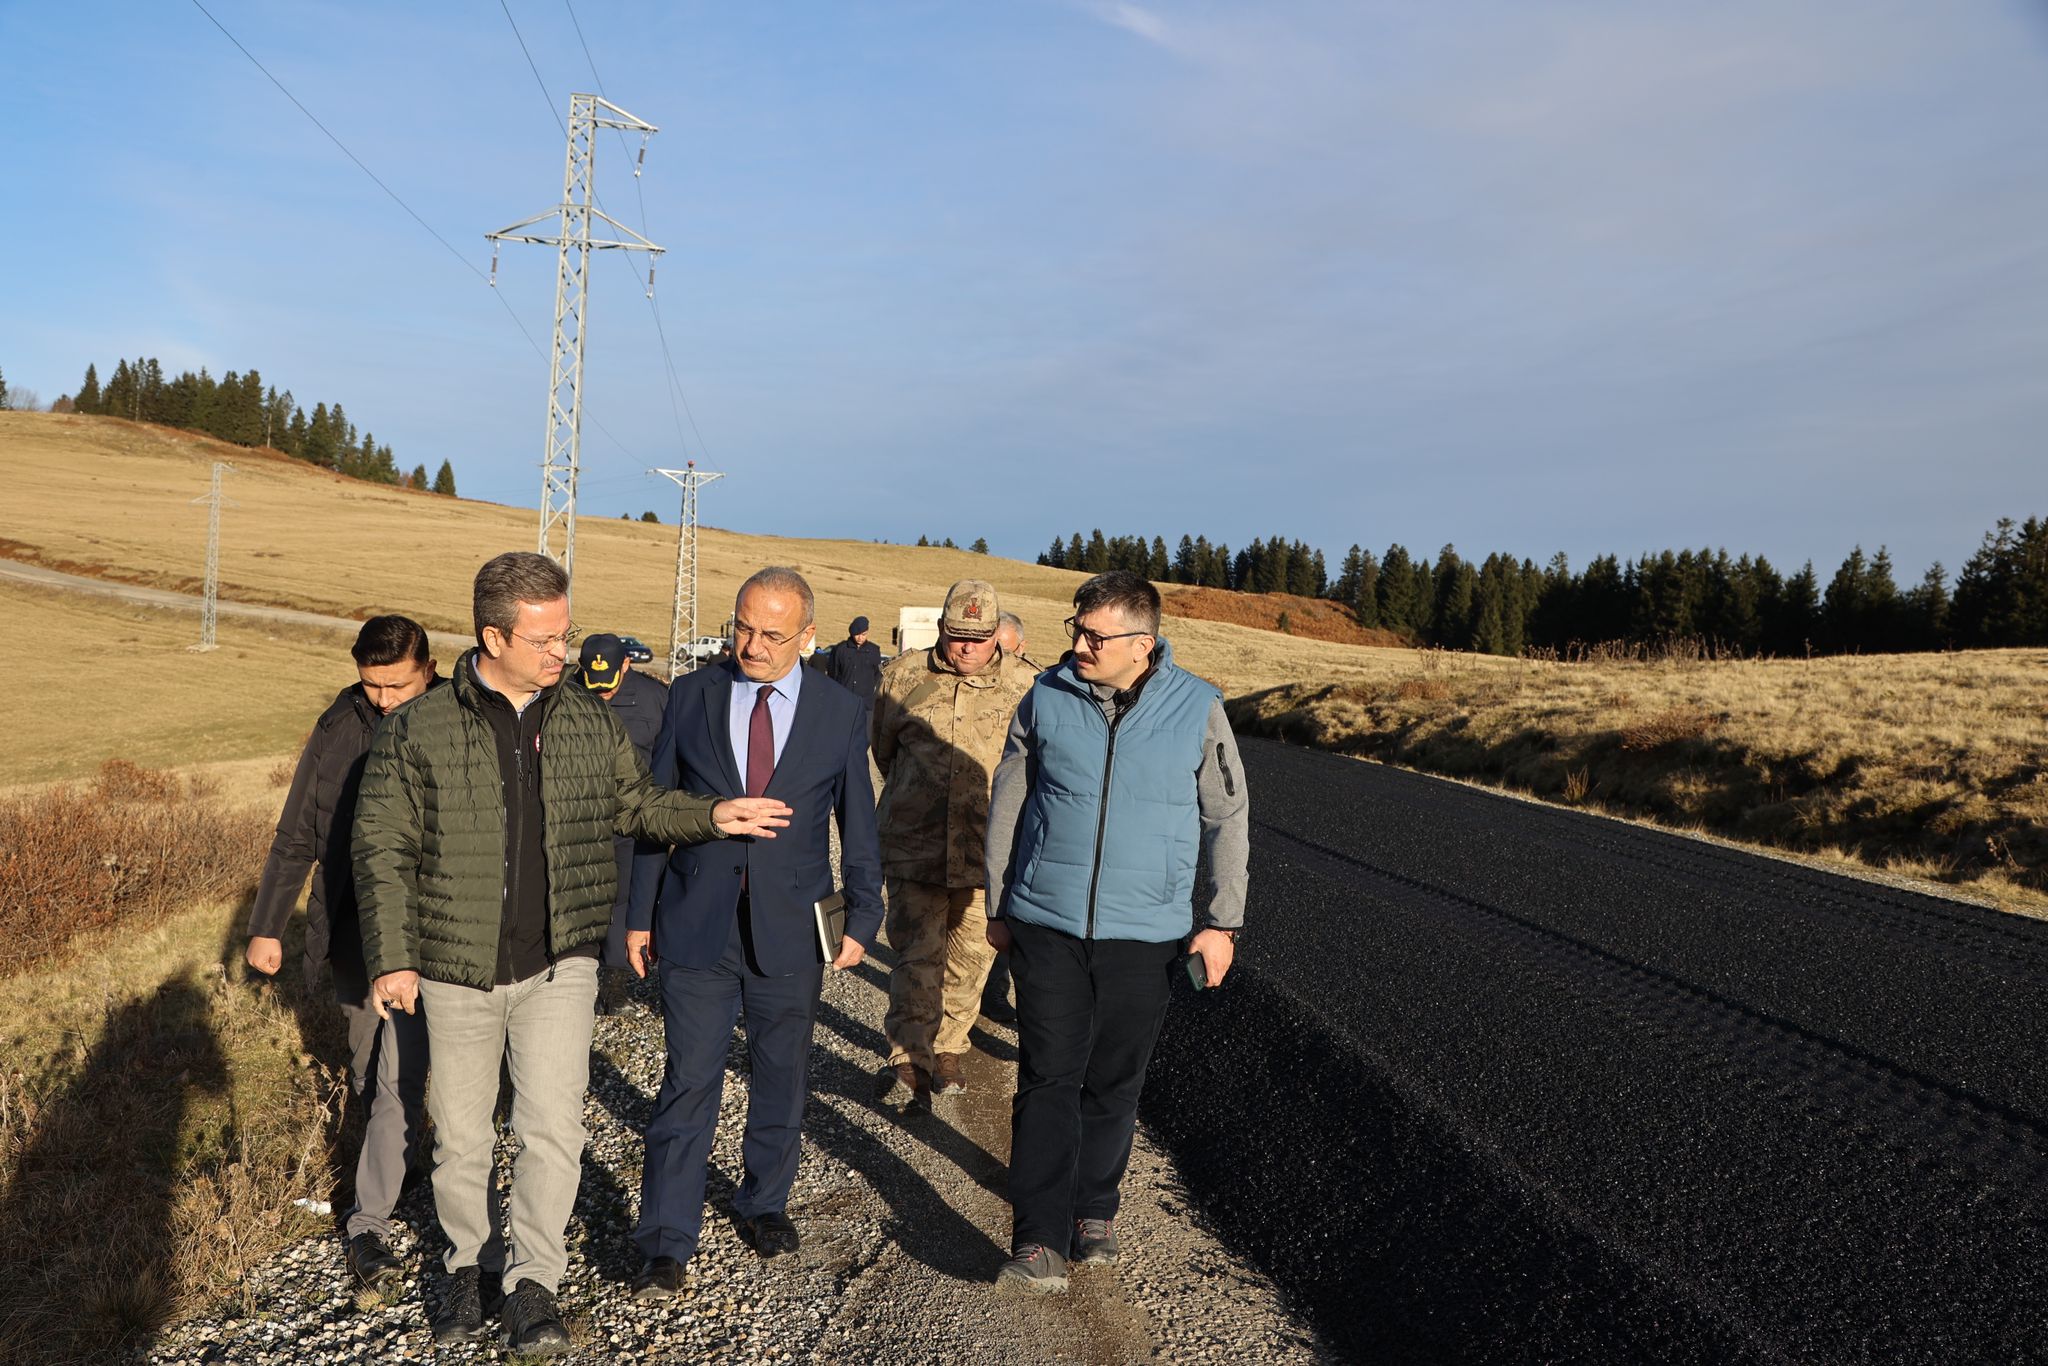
[485,875]
[387,1058]
[856,662]
[736,924]
[638,700]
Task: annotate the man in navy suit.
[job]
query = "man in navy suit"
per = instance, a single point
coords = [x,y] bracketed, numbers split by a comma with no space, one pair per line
[736,924]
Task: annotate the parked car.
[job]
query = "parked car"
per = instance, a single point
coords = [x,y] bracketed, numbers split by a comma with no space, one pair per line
[635,651]
[706,647]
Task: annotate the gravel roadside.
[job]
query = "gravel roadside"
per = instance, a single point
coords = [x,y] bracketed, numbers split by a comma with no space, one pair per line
[903,1222]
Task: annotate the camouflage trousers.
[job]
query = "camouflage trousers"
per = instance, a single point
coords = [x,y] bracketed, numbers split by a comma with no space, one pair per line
[940,935]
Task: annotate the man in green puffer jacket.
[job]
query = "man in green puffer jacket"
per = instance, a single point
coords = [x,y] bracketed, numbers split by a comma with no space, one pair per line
[485,879]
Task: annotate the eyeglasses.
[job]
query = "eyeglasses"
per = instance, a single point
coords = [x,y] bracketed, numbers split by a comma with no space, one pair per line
[776,640]
[547,643]
[1096,640]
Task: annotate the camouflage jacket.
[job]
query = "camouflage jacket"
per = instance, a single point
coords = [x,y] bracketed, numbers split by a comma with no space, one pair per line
[936,737]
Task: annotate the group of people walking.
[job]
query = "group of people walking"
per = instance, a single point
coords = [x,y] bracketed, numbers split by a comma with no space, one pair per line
[484,843]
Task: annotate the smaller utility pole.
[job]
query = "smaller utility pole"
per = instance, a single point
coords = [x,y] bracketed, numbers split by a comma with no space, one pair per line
[682,627]
[213,502]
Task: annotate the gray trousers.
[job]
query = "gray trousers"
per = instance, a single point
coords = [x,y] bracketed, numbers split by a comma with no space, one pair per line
[539,1030]
[387,1065]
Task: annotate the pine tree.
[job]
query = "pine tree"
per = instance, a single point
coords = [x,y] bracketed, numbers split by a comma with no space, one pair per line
[1077,558]
[152,391]
[1185,569]
[1096,559]
[444,480]
[1925,611]
[418,478]
[3,392]
[1455,583]
[1056,557]
[118,398]
[980,546]
[649,517]
[1217,575]
[88,399]
[1159,569]
[1396,590]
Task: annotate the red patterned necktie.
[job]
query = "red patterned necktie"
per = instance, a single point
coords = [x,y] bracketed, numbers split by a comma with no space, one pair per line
[760,744]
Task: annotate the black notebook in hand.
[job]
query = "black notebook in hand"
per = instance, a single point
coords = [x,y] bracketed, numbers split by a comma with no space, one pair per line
[830,915]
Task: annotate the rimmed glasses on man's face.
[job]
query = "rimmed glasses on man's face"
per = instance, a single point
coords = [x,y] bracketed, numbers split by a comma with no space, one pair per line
[1077,633]
[547,644]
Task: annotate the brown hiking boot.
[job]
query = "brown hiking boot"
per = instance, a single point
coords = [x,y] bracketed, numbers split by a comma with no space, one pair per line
[947,1078]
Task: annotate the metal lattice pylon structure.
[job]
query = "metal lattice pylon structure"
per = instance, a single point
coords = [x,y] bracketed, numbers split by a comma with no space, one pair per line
[213,501]
[574,243]
[682,628]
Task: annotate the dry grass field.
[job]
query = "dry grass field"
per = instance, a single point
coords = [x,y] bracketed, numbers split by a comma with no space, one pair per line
[1930,766]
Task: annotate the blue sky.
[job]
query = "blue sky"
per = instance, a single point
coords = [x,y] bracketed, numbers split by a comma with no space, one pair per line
[1768,274]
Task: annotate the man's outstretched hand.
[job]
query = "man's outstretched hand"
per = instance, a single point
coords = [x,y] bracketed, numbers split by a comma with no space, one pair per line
[760,817]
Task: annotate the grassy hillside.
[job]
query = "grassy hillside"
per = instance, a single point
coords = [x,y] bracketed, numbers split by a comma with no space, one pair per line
[111,498]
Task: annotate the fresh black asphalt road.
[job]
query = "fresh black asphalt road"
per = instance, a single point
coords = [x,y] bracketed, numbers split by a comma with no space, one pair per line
[1500,1082]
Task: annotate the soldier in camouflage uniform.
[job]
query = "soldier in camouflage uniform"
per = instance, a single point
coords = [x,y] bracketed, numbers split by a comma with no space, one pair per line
[940,719]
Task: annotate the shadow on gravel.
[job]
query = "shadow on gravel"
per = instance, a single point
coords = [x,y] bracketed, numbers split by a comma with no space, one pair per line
[1398,1242]
[88,1227]
[1002,1050]
[836,1076]
[928,1229]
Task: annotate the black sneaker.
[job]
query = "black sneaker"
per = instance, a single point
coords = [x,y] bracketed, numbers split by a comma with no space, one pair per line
[372,1265]
[531,1324]
[1095,1242]
[462,1308]
[1033,1270]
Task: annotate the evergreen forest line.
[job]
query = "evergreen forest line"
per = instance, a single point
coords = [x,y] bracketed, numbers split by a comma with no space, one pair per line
[1744,606]
[242,410]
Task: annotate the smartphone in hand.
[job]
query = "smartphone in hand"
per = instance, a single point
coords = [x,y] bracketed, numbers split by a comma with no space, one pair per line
[1198,971]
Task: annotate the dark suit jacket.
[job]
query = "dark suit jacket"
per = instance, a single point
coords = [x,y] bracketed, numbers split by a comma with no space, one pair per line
[693,892]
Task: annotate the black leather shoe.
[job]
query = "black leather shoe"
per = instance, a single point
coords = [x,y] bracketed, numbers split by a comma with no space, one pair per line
[462,1311]
[532,1325]
[771,1234]
[660,1279]
[372,1265]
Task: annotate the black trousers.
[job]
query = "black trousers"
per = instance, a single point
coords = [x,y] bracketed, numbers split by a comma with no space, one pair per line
[1088,1014]
[699,1008]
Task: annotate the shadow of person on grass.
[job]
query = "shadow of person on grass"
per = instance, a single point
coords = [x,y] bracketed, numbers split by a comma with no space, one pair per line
[89,1225]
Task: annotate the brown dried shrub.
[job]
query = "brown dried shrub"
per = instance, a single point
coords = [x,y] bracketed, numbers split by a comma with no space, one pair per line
[135,845]
[1667,728]
[1422,690]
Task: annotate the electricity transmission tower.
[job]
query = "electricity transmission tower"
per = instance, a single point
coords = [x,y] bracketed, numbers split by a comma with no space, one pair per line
[572,239]
[682,627]
[213,503]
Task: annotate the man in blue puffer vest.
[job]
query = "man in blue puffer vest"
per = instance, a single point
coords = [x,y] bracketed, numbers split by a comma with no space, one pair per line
[1119,804]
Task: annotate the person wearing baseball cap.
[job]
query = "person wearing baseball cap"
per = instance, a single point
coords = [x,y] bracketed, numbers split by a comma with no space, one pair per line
[939,722]
[638,700]
[855,663]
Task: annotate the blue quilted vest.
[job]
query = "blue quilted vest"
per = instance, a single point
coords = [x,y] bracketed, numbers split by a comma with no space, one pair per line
[1111,830]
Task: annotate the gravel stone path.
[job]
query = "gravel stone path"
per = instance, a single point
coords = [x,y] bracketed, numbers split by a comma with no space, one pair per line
[903,1222]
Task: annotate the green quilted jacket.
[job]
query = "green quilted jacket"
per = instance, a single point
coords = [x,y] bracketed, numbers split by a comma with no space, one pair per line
[429,842]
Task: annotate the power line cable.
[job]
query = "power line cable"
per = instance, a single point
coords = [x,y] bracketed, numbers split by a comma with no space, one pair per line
[378,181]
[675,384]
